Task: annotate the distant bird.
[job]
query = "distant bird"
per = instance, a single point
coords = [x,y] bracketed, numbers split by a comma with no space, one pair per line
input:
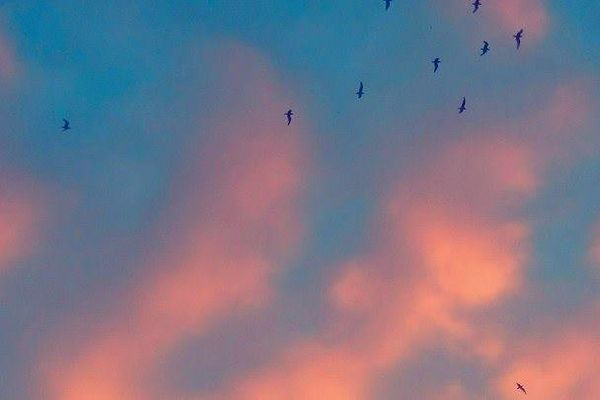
[521,388]
[289,116]
[463,106]
[518,38]
[485,48]
[476,6]
[66,126]
[436,64]
[387,4]
[361,91]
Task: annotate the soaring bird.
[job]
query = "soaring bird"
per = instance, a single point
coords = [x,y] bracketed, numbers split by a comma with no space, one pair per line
[387,4]
[518,38]
[463,106]
[289,116]
[436,64]
[476,6]
[521,388]
[66,125]
[361,91]
[485,48]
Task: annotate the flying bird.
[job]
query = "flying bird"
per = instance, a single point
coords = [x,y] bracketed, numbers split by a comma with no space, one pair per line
[387,4]
[518,38]
[476,6]
[66,126]
[289,116]
[463,106]
[521,388]
[436,64]
[361,91]
[485,48]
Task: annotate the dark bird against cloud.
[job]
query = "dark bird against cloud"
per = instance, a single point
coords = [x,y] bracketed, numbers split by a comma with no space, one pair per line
[476,6]
[387,4]
[361,91]
[463,106]
[521,388]
[66,125]
[518,38]
[289,116]
[436,64]
[485,48]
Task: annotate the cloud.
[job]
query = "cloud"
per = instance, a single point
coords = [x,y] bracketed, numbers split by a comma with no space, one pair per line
[512,15]
[308,372]
[450,244]
[560,365]
[21,212]
[453,391]
[235,223]
[435,262]
[503,18]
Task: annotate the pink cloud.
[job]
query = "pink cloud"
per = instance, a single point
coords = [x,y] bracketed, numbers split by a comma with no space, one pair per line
[450,244]
[453,391]
[235,227]
[511,15]
[308,372]
[563,364]
[502,18]
[390,304]
[20,216]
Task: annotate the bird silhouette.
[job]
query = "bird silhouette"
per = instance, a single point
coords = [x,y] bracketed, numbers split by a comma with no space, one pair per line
[521,388]
[476,6]
[518,38]
[289,116]
[387,4]
[361,91]
[485,48]
[463,106]
[66,126]
[436,64]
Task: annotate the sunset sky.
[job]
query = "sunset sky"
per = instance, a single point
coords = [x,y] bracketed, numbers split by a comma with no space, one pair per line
[181,242]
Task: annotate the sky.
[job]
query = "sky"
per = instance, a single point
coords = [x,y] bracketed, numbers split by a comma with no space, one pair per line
[182,242]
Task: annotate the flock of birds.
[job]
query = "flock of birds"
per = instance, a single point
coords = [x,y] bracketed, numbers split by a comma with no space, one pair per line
[436,62]
[436,65]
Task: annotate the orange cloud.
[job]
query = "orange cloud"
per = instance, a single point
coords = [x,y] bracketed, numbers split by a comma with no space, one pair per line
[236,222]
